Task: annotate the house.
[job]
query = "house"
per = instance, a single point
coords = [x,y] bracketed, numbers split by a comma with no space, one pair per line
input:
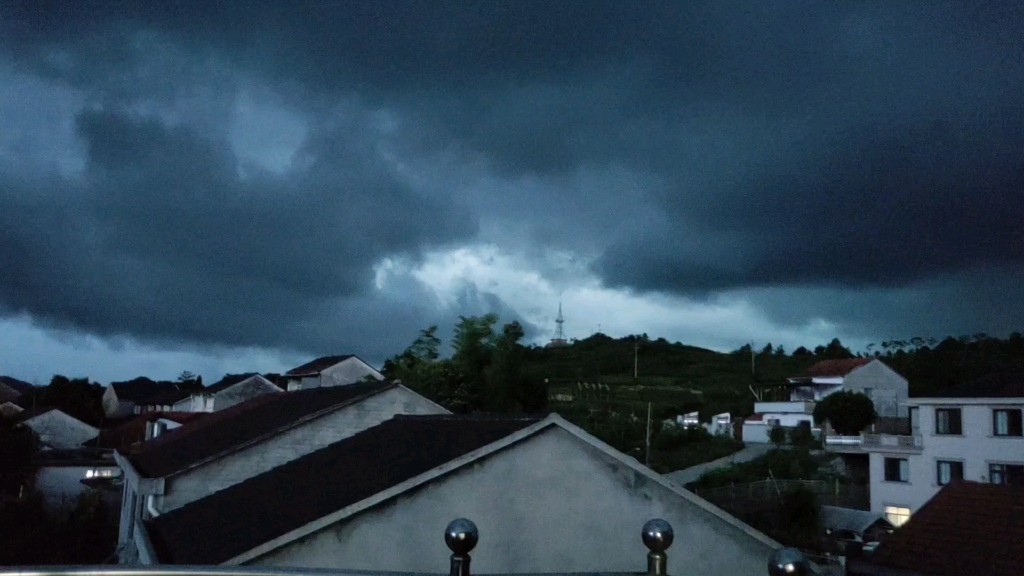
[967,528]
[330,371]
[232,445]
[10,410]
[230,390]
[134,431]
[531,485]
[64,475]
[850,524]
[11,389]
[126,398]
[57,430]
[869,376]
[972,433]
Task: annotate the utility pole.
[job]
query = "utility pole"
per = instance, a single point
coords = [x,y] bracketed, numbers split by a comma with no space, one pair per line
[752,371]
[647,459]
[636,352]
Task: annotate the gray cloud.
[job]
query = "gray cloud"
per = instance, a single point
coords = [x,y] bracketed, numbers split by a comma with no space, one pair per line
[681,147]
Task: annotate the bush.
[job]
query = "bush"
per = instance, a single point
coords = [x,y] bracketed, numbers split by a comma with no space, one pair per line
[848,412]
[674,437]
[802,436]
[777,435]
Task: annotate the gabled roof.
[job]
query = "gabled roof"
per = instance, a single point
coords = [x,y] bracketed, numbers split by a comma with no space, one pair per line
[241,517]
[396,456]
[834,368]
[837,518]
[967,528]
[227,381]
[134,430]
[319,365]
[224,431]
[142,389]
[11,389]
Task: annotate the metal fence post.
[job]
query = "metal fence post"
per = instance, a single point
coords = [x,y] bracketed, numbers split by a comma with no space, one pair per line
[460,536]
[657,536]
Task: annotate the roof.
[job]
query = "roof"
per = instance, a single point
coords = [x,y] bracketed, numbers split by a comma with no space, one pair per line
[227,381]
[836,518]
[1003,384]
[223,431]
[227,523]
[141,389]
[12,388]
[833,368]
[134,430]
[319,365]
[967,528]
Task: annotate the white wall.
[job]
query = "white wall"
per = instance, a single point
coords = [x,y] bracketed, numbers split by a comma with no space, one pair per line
[976,448]
[349,371]
[888,389]
[115,408]
[289,445]
[245,390]
[550,504]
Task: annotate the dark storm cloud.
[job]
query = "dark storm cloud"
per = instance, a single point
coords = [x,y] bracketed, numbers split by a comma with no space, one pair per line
[693,146]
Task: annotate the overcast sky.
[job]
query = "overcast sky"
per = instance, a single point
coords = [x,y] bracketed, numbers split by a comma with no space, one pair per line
[217,187]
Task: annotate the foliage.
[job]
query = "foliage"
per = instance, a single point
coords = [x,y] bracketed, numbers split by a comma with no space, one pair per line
[74,396]
[849,412]
[833,351]
[781,464]
[777,435]
[802,436]
[17,445]
[87,534]
[189,382]
[800,513]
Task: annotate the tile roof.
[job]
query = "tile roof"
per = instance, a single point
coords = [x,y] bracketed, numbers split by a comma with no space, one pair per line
[227,523]
[827,368]
[12,388]
[318,365]
[141,389]
[225,430]
[134,430]
[967,528]
[227,381]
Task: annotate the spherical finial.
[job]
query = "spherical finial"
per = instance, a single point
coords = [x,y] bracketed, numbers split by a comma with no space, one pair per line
[657,535]
[787,562]
[461,536]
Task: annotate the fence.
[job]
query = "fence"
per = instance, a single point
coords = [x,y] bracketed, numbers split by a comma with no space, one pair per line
[741,498]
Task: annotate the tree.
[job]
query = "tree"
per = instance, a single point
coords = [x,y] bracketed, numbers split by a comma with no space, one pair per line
[777,435]
[834,351]
[17,445]
[75,397]
[848,412]
[801,351]
[189,382]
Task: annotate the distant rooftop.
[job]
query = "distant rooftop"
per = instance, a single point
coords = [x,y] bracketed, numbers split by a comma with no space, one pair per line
[142,389]
[835,368]
[318,365]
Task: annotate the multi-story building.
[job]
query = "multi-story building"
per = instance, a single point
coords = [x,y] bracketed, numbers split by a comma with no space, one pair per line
[973,433]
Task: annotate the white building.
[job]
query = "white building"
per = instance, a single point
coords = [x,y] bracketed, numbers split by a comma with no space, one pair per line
[330,371]
[975,433]
[545,495]
[230,390]
[59,431]
[230,446]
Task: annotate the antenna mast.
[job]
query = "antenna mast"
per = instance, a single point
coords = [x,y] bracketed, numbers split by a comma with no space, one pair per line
[559,339]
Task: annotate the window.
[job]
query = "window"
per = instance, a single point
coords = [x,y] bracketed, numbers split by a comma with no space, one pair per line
[1006,474]
[1007,423]
[897,515]
[772,422]
[915,419]
[897,470]
[949,471]
[947,421]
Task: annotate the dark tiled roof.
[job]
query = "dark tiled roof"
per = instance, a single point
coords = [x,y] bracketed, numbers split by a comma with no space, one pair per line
[14,385]
[967,528]
[227,523]
[142,389]
[227,381]
[224,430]
[134,430]
[1005,384]
[827,368]
[318,365]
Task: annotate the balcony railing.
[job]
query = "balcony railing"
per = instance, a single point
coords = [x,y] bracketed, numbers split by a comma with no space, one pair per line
[784,407]
[460,536]
[900,442]
[836,440]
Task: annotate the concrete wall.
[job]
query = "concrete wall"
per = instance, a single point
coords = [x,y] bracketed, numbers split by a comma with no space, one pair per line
[755,433]
[888,389]
[58,430]
[61,485]
[289,445]
[347,372]
[245,390]
[550,504]
[976,448]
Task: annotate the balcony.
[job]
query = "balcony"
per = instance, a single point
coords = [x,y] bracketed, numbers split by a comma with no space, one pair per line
[784,407]
[461,536]
[836,440]
[892,443]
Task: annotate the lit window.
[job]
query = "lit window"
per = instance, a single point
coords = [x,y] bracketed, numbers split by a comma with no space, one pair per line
[108,473]
[1007,423]
[897,515]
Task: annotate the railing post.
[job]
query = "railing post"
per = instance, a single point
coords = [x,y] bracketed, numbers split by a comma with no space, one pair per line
[788,562]
[460,536]
[657,536]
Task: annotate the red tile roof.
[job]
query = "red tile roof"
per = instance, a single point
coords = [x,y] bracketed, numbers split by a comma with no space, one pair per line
[967,528]
[827,368]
